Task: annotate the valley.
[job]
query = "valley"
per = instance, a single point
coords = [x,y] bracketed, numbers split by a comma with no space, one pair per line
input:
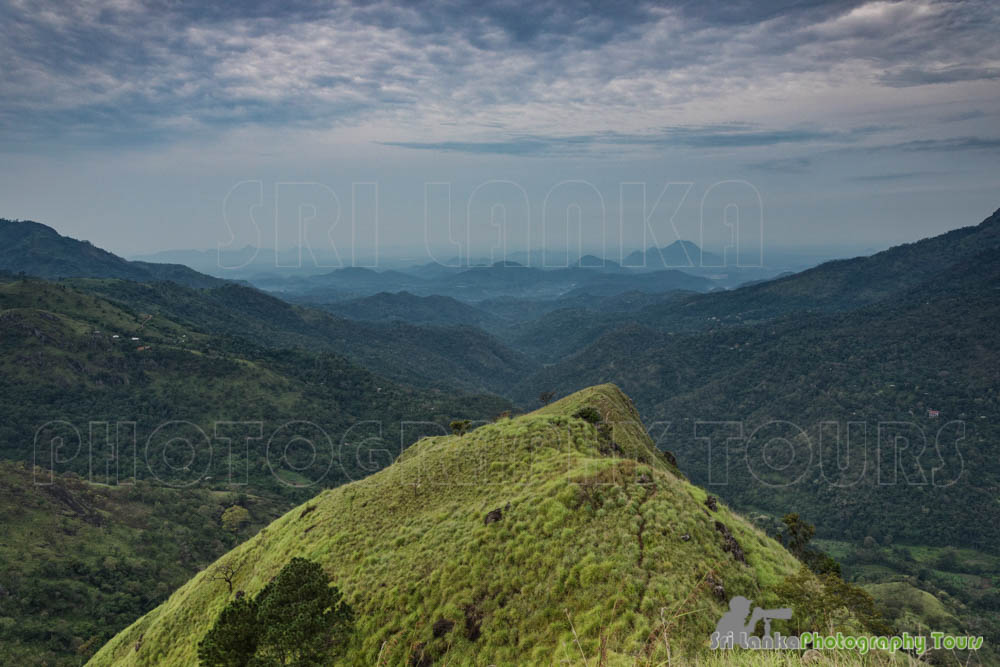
[117,370]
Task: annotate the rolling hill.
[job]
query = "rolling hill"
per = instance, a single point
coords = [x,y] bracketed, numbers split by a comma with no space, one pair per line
[538,539]
[407,307]
[459,358]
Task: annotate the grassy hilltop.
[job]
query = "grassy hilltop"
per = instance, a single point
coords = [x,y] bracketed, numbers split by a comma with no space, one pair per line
[602,549]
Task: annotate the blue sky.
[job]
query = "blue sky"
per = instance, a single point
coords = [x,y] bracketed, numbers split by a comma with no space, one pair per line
[858,124]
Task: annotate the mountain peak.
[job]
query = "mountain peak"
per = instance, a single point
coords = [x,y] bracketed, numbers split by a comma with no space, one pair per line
[503,545]
[39,250]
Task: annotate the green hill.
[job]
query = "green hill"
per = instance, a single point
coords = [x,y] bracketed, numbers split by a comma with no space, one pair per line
[387,306]
[38,250]
[67,359]
[558,536]
[459,358]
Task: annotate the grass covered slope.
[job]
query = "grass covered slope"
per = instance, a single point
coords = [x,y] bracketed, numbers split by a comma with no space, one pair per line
[599,547]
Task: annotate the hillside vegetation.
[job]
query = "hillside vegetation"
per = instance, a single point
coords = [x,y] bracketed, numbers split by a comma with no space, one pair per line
[68,360]
[462,358]
[562,535]
[931,346]
[81,561]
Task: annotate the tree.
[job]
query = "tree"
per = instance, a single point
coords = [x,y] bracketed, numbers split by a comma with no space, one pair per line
[797,534]
[225,572]
[546,397]
[232,641]
[303,619]
[297,619]
[234,518]
[826,603]
[460,426]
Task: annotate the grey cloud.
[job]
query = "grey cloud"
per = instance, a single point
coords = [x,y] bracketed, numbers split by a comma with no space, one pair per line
[955,144]
[913,76]
[790,165]
[892,177]
[736,135]
[184,67]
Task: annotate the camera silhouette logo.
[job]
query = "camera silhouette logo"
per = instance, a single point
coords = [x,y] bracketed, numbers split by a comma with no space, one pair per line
[735,629]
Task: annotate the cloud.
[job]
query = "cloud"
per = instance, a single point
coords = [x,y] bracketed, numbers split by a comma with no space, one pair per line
[790,165]
[728,136]
[433,75]
[951,145]
[914,76]
[892,177]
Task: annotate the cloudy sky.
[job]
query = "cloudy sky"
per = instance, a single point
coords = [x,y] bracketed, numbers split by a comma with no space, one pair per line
[150,125]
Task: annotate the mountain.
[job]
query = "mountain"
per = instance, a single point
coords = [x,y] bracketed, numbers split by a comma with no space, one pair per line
[929,344]
[360,279]
[677,255]
[453,357]
[559,534]
[407,307]
[69,359]
[482,283]
[477,283]
[81,561]
[442,357]
[37,250]
[654,282]
[837,285]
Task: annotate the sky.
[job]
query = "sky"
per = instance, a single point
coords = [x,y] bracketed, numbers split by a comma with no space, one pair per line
[443,127]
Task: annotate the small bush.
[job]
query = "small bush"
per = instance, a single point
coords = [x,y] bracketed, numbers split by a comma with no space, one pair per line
[588,414]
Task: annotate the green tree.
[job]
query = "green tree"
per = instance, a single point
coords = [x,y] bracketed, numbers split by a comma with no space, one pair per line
[298,619]
[797,534]
[827,603]
[232,641]
[303,619]
[234,518]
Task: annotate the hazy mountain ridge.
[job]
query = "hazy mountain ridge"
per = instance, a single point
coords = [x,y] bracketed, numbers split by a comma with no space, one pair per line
[931,345]
[407,307]
[38,250]
[459,357]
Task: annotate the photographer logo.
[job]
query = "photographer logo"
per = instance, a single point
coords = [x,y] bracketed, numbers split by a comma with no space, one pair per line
[735,629]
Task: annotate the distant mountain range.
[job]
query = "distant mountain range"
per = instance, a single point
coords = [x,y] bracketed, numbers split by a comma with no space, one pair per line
[290,272]
[677,255]
[886,338]
[406,307]
[481,282]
